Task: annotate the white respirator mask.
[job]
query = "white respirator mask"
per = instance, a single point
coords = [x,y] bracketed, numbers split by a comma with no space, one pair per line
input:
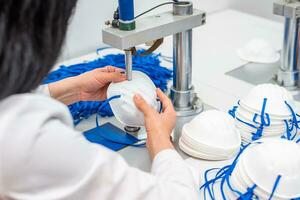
[124,107]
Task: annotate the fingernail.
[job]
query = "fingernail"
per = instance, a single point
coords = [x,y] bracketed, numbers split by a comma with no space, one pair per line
[137,97]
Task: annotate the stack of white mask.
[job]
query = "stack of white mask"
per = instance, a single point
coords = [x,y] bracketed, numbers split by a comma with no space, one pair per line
[124,107]
[271,167]
[265,110]
[210,136]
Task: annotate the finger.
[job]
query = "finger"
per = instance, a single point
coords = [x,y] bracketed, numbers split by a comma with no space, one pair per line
[111,69]
[114,77]
[108,69]
[166,102]
[103,96]
[142,105]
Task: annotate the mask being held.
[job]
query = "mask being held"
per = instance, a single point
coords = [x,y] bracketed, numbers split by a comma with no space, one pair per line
[124,107]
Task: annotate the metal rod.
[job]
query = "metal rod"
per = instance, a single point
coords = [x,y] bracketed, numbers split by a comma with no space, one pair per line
[289,68]
[183,60]
[128,64]
[182,89]
[182,80]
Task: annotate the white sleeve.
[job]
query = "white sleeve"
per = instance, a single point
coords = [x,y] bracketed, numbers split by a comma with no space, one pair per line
[42,89]
[58,163]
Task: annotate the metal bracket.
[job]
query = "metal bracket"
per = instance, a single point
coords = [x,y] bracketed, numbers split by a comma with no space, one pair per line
[152,28]
[287,8]
[153,47]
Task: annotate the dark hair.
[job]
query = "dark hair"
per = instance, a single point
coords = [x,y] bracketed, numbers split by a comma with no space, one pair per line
[31,36]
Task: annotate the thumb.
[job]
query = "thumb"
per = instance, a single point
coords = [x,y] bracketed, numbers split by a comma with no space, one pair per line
[142,105]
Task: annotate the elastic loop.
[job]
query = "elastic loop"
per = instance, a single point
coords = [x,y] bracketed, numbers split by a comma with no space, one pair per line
[275,186]
[232,112]
[224,176]
[104,104]
[254,118]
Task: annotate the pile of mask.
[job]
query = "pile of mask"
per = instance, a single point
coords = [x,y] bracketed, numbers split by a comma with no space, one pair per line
[210,136]
[265,169]
[267,111]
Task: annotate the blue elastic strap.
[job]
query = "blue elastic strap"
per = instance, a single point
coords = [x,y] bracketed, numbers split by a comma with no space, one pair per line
[254,118]
[257,134]
[228,173]
[294,124]
[211,194]
[264,121]
[233,111]
[224,175]
[289,131]
[248,124]
[249,194]
[104,104]
[275,186]
[294,115]
[221,175]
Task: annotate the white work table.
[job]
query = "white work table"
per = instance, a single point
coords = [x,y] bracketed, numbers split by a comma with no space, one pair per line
[214,54]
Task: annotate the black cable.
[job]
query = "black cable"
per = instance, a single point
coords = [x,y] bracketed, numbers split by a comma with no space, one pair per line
[166,3]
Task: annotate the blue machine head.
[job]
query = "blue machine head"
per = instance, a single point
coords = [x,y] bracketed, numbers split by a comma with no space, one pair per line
[126,15]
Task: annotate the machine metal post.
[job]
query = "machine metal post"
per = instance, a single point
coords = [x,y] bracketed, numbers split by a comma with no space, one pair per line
[128,64]
[182,93]
[288,73]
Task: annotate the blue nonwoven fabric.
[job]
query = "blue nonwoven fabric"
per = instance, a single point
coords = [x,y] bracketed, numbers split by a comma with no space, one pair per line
[111,137]
[150,65]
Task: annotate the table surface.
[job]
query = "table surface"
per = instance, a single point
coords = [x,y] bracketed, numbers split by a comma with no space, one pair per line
[214,53]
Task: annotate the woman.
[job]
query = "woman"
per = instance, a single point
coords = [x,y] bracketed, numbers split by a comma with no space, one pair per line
[41,156]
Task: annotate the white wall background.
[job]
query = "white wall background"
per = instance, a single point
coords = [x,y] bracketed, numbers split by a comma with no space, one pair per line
[262,8]
[84,34]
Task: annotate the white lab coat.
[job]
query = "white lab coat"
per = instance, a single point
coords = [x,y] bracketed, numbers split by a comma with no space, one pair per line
[42,157]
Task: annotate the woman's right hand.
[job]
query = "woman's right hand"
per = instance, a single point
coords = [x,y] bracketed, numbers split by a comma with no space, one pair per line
[159,126]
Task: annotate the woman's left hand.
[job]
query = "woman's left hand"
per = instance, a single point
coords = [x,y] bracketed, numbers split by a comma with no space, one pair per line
[90,86]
